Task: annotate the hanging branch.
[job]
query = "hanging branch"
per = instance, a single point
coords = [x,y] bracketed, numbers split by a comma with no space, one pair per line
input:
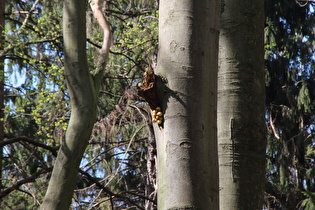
[273,127]
[304,4]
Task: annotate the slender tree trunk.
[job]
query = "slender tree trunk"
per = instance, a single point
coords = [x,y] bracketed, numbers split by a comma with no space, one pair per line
[186,141]
[83,108]
[83,94]
[1,86]
[241,105]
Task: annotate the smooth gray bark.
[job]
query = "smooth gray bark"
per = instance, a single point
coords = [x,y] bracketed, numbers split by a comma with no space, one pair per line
[241,105]
[83,97]
[83,109]
[187,171]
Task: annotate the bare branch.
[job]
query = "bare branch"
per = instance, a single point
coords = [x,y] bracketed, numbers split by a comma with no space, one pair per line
[102,21]
[28,16]
[28,140]
[32,178]
[105,189]
[23,12]
[304,4]
[272,126]
[12,46]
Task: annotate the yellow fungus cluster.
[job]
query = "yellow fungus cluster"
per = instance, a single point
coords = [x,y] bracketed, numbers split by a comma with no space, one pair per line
[157,116]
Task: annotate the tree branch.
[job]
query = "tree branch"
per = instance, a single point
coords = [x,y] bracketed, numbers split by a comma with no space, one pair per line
[32,178]
[304,4]
[272,126]
[28,140]
[102,21]
[101,186]
[28,16]
[13,46]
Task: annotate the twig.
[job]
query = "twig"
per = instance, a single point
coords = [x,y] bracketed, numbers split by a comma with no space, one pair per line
[28,16]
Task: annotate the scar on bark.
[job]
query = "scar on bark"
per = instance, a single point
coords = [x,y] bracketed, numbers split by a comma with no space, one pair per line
[147,89]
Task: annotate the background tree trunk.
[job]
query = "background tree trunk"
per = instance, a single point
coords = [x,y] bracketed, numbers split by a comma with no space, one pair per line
[186,142]
[241,105]
[1,85]
[83,108]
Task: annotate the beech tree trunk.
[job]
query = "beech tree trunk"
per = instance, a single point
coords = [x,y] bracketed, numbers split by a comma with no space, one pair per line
[83,89]
[1,85]
[187,171]
[83,108]
[241,105]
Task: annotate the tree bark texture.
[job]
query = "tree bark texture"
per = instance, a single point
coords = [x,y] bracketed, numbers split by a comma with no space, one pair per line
[83,108]
[187,87]
[1,85]
[241,105]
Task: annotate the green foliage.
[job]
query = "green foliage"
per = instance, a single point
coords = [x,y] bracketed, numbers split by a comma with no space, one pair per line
[304,99]
[290,103]
[113,170]
[309,203]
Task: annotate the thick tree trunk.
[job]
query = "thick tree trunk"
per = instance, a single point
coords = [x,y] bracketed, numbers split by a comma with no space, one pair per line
[83,108]
[241,105]
[186,141]
[1,85]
